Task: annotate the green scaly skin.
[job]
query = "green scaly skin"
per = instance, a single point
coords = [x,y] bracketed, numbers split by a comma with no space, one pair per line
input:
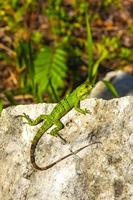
[61,109]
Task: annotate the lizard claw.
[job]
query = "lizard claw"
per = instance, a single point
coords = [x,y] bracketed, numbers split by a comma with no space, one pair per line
[63,139]
[17,116]
[24,115]
[85,111]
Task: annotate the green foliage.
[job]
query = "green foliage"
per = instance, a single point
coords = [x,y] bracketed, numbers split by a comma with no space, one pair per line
[93,67]
[54,5]
[57,15]
[26,65]
[36,37]
[112,44]
[115,48]
[103,53]
[111,87]
[108,3]
[41,66]
[125,53]
[1,105]
[89,50]
[43,73]
[13,11]
[50,65]
[9,96]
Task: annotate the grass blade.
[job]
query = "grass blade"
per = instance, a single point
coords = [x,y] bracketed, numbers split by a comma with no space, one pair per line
[89,49]
[111,87]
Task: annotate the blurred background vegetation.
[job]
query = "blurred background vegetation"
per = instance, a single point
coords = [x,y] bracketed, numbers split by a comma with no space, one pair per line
[46,47]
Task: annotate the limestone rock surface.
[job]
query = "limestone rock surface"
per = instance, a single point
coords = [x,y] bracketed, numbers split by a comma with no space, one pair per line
[102,171]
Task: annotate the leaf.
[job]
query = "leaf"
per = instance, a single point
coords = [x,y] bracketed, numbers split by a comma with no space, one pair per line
[50,64]
[1,105]
[89,49]
[111,87]
[25,60]
[103,54]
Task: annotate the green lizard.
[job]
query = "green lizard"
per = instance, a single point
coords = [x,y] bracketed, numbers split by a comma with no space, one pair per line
[61,109]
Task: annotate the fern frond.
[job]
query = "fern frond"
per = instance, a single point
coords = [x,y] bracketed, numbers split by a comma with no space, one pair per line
[50,65]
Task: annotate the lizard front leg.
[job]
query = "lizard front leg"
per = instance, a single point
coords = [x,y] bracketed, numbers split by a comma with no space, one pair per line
[36,121]
[59,126]
[77,108]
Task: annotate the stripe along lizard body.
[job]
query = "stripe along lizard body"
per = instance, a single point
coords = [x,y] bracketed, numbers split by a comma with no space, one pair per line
[61,109]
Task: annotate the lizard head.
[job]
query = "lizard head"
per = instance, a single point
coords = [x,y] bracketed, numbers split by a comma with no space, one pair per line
[83,90]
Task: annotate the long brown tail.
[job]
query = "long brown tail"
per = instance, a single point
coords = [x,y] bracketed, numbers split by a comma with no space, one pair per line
[32,155]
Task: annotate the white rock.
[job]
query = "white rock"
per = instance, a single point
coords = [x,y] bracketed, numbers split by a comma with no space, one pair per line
[100,172]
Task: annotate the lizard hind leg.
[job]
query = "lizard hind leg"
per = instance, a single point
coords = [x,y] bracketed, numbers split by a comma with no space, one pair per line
[59,126]
[36,121]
